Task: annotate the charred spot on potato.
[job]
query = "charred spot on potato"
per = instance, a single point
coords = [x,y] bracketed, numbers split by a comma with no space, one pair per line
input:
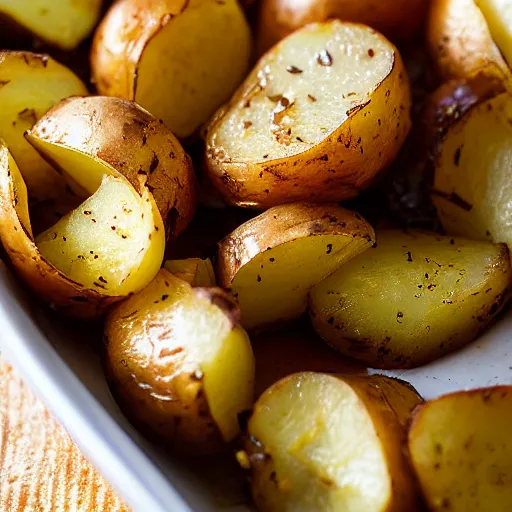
[324,58]
[294,70]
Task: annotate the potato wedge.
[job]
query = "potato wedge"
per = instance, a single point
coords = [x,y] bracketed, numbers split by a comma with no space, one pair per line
[319,442]
[318,117]
[86,138]
[270,262]
[412,299]
[472,184]
[195,271]
[64,23]
[30,84]
[460,448]
[179,59]
[462,46]
[398,20]
[179,363]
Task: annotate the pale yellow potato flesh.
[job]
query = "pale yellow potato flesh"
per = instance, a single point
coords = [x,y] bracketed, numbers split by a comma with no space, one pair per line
[113,246]
[181,364]
[472,188]
[320,443]
[62,23]
[413,298]
[271,261]
[195,271]
[30,84]
[460,449]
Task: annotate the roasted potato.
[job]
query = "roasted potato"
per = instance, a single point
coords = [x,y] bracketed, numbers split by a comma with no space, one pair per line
[412,298]
[62,23]
[270,262]
[180,59]
[398,20]
[319,442]
[472,183]
[460,449]
[319,116]
[195,271]
[462,46]
[179,363]
[30,84]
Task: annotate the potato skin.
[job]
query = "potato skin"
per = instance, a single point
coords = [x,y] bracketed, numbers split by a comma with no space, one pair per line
[133,142]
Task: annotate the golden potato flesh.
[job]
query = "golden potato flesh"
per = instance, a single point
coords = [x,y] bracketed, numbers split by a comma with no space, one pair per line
[30,84]
[461,451]
[271,261]
[195,271]
[179,59]
[62,23]
[317,118]
[179,363]
[472,191]
[413,298]
[319,442]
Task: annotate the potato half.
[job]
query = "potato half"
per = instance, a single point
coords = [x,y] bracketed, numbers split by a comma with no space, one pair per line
[179,363]
[195,271]
[460,448]
[399,20]
[270,262]
[412,298]
[318,443]
[472,191]
[86,138]
[180,59]
[30,84]
[318,117]
[62,23]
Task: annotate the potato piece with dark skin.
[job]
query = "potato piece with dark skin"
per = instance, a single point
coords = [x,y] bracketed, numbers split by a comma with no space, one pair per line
[460,449]
[413,298]
[180,365]
[318,443]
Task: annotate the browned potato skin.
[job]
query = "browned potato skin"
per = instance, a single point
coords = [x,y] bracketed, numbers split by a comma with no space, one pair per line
[461,45]
[398,20]
[141,148]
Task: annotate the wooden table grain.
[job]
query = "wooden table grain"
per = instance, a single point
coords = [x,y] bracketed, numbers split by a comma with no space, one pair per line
[41,469]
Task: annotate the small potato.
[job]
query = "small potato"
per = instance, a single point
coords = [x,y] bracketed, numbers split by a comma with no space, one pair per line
[180,365]
[180,59]
[61,23]
[461,451]
[270,262]
[195,271]
[30,84]
[398,20]
[320,443]
[413,298]
[318,117]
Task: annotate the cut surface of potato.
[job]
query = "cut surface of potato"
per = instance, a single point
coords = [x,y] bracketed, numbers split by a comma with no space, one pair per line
[318,117]
[180,364]
[472,189]
[30,84]
[460,448]
[271,261]
[319,442]
[179,59]
[113,245]
[196,271]
[412,298]
[63,23]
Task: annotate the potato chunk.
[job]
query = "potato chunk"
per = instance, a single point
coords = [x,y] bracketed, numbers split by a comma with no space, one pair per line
[413,298]
[180,364]
[196,271]
[271,261]
[317,118]
[318,443]
[461,451]
[179,59]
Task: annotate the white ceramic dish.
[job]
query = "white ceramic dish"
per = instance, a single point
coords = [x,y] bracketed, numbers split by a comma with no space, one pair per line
[66,373]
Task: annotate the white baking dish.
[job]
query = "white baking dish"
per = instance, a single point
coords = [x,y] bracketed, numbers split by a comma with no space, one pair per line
[66,373]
